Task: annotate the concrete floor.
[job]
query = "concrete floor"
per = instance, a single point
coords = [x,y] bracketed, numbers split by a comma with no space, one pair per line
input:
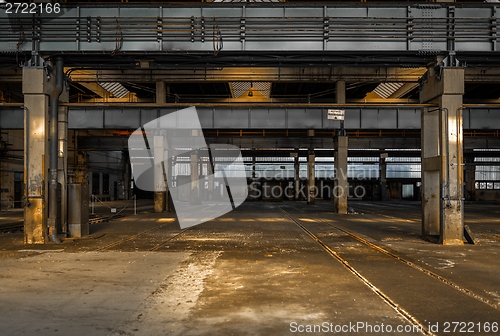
[255,272]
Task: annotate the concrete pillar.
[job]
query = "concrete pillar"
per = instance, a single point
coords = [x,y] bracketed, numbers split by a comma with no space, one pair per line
[36,90]
[470,177]
[296,179]
[82,171]
[341,186]
[159,177]
[161,94]
[383,177]
[340,92]
[442,156]
[194,195]
[311,178]
[62,171]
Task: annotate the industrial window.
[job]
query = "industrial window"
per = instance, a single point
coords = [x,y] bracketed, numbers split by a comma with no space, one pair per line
[487,185]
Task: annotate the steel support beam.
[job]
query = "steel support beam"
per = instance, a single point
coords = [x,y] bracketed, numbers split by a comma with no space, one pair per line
[36,90]
[341,186]
[62,169]
[296,177]
[383,177]
[342,29]
[263,74]
[442,156]
[311,179]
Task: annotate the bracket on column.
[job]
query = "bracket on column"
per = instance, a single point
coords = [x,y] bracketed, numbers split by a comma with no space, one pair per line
[450,61]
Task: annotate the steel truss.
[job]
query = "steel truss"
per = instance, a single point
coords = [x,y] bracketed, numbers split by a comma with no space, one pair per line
[255,34]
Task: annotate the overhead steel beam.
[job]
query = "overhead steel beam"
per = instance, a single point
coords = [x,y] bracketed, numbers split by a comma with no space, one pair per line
[260,117]
[263,146]
[276,74]
[140,29]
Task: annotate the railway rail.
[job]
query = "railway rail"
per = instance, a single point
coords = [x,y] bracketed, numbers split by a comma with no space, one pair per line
[389,254]
[401,311]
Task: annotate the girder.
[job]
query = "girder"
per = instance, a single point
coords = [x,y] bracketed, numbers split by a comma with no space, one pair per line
[259,117]
[275,74]
[259,34]
[360,146]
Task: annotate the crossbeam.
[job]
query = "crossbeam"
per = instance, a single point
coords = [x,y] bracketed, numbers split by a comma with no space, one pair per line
[119,117]
[402,31]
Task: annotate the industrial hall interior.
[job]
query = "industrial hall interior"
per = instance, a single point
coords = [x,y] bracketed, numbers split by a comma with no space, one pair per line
[249,167]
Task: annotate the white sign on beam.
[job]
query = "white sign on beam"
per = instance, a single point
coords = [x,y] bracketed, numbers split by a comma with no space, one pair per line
[336,114]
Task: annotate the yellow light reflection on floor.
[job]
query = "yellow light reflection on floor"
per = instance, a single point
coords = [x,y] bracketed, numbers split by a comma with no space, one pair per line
[165,220]
[226,219]
[271,219]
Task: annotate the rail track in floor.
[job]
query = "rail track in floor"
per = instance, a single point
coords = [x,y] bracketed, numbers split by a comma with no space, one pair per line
[389,254]
[157,246]
[401,311]
[412,264]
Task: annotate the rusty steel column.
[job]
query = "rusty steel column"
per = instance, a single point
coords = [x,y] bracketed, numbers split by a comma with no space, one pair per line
[442,156]
[54,206]
[36,89]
